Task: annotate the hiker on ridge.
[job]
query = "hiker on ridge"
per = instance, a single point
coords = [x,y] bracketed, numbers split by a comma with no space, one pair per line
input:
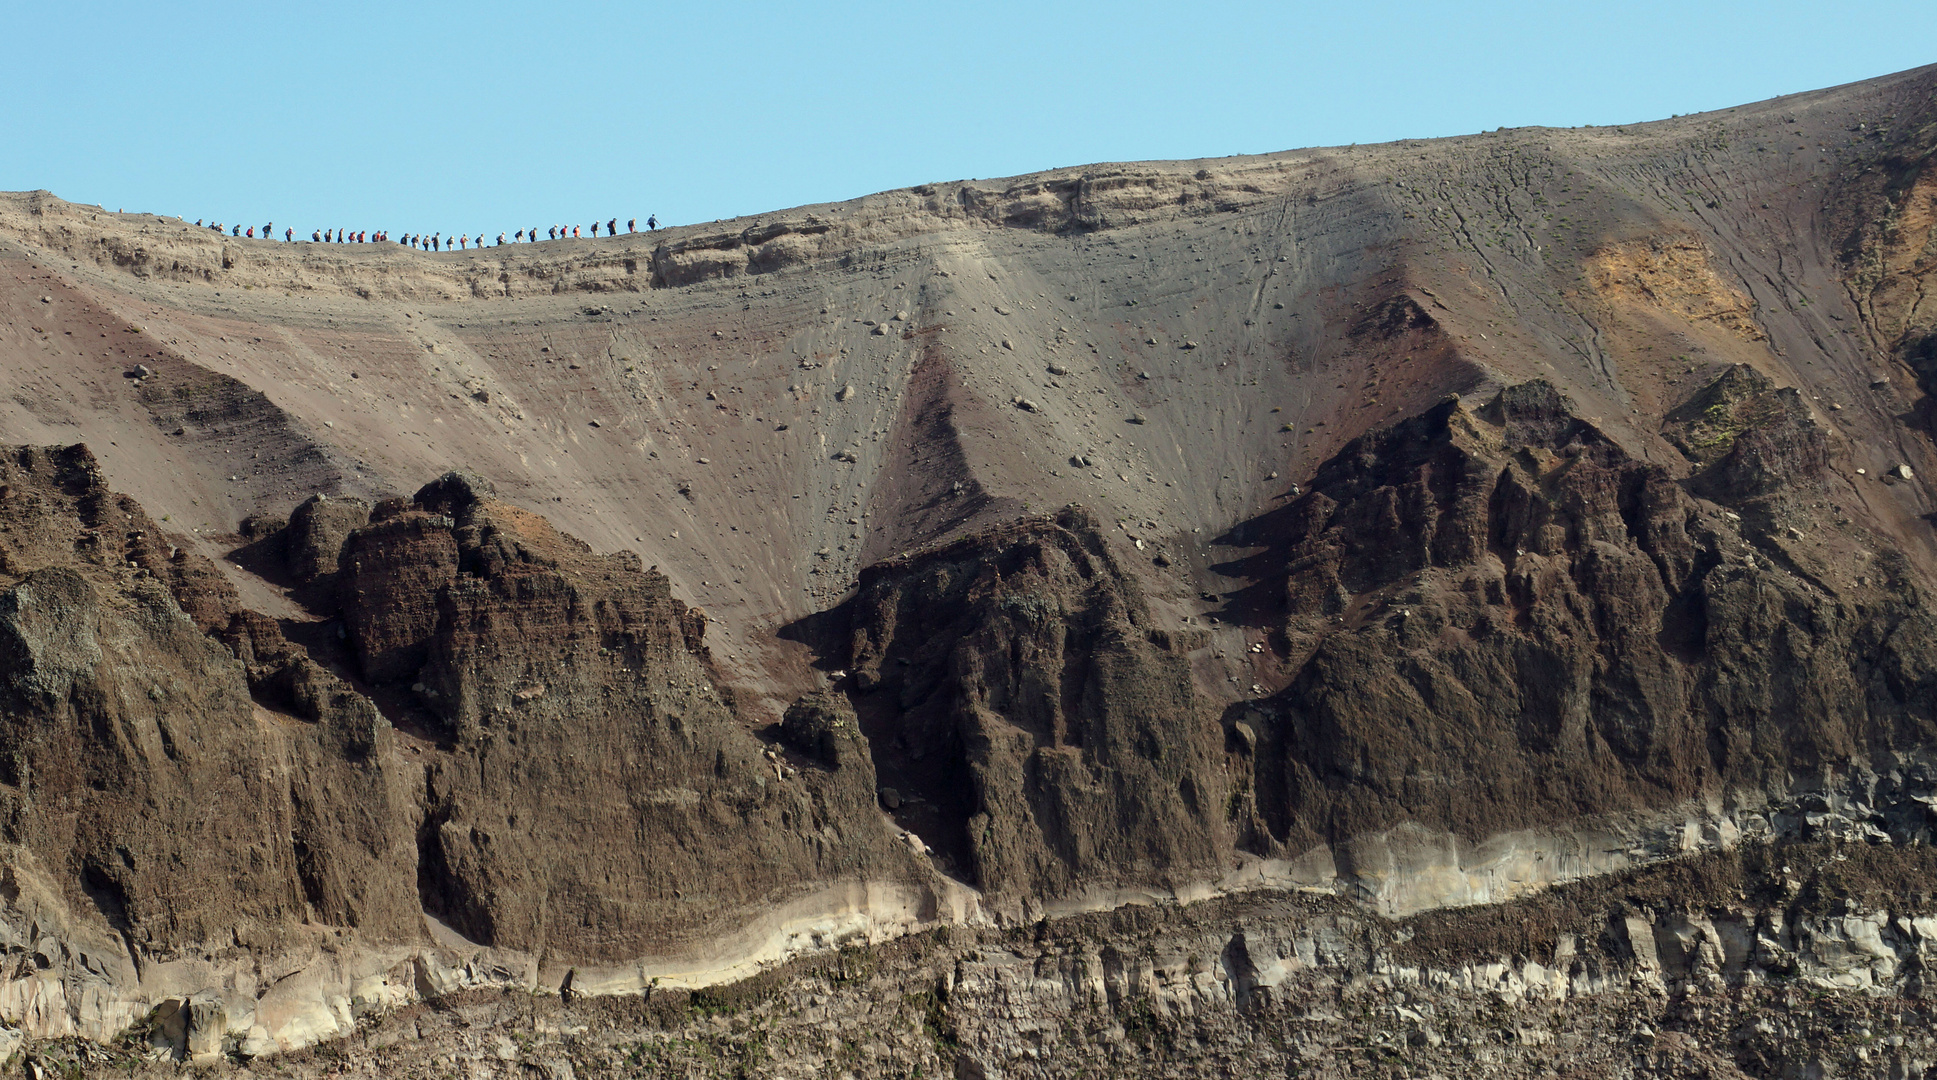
[632,225]
[652,222]
[612,227]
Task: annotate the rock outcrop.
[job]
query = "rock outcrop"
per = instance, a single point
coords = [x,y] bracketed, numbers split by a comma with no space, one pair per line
[192,803]
[162,827]
[1016,678]
[1499,619]
[598,799]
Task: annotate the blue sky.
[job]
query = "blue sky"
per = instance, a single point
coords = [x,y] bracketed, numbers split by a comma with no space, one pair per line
[487,116]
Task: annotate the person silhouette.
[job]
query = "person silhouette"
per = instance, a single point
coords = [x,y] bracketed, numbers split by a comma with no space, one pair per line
[632,225]
[612,227]
[652,222]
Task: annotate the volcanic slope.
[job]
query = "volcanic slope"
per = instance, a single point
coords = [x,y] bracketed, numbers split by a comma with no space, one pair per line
[1426,522]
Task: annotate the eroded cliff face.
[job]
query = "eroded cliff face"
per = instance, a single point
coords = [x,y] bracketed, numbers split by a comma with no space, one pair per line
[1016,683]
[1442,522]
[1498,620]
[174,815]
[1804,960]
[592,796]
[204,818]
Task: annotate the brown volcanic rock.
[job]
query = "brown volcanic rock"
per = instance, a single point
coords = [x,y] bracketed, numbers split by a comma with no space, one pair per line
[191,820]
[823,726]
[393,571]
[1749,441]
[313,539]
[1015,680]
[1499,619]
[1527,614]
[599,801]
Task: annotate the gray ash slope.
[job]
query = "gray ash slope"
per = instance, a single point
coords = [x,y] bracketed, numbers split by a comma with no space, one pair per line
[1426,523]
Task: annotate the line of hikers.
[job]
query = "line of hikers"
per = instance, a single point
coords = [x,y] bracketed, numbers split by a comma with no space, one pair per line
[433,242]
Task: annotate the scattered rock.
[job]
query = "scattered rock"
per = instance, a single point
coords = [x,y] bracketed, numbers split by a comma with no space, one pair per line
[1007,344]
[1247,737]
[313,540]
[1137,418]
[1058,369]
[844,393]
[1901,471]
[1026,405]
[822,726]
[891,798]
